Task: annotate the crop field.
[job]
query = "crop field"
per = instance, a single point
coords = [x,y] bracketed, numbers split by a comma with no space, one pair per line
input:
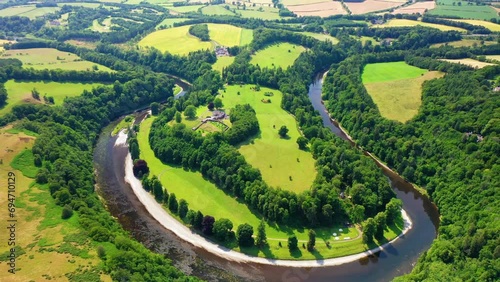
[49,58]
[417,7]
[321,36]
[370,6]
[83,4]
[489,25]
[44,238]
[216,10]
[365,39]
[29,11]
[278,55]
[322,9]
[494,57]
[277,158]
[470,62]
[259,15]
[206,197]
[170,22]
[300,2]
[222,62]
[177,40]
[396,88]
[20,92]
[186,9]
[464,43]
[403,22]
[448,8]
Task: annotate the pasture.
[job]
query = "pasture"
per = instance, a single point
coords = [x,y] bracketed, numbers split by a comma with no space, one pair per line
[30,11]
[396,88]
[46,239]
[206,197]
[222,62]
[416,7]
[168,23]
[469,62]
[463,9]
[494,58]
[20,92]
[489,25]
[216,10]
[321,36]
[322,9]
[104,27]
[49,58]
[403,22]
[277,158]
[186,9]
[277,55]
[370,6]
[464,43]
[230,35]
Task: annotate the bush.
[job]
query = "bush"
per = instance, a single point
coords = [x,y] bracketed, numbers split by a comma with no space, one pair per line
[67,212]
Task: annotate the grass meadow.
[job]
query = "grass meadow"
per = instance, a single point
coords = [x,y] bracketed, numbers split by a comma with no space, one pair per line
[186,9]
[321,37]
[222,62]
[49,58]
[29,11]
[44,239]
[277,55]
[206,197]
[396,88]
[403,22]
[494,58]
[446,8]
[216,10]
[277,158]
[463,43]
[20,92]
[489,25]
[170,22]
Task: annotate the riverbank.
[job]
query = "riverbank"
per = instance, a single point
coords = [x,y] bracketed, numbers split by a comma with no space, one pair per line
[183,232]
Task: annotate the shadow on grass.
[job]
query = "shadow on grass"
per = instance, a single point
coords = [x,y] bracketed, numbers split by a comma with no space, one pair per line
[297,253]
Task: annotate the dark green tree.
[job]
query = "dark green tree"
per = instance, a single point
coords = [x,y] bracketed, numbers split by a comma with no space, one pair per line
[283,131]
[244,235]
[261,239]
[369,228]
[183,208]
[173,205]
[190,112]
[312,240]
[292,243]
[222,229]
[155,108]
[302,142]
[218,103]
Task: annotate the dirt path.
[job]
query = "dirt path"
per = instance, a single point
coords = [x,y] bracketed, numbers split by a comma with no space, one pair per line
[165,219]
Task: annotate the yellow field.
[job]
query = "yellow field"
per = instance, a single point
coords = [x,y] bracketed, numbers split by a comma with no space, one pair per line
[489,25]
[399,100]
[40,231]
[402,22]
[177,40]
[470,62]
[463,43]
[494,57]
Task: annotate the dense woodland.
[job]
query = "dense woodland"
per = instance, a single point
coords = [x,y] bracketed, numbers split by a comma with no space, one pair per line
[451,148]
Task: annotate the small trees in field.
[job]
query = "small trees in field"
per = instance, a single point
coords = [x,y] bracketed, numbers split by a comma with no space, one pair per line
[293,243]
[283,131]
[244,235]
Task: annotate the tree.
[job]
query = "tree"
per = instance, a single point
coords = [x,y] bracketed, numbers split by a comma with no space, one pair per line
[292,243]
[207,225]
[222,229]
[261,239]
[35,94]
[173,206]
[357,213]
[3,95]
[244,235]
[380,223]
[183,208]
[155,108]
[190,112]
[393,210]
[312,240]
[67,212]
[368,230]
[302,142]
[211,106]
[327,212]
[283,131]
[218,103]
[191,217]
[198,220]
[157,188]
[178,117]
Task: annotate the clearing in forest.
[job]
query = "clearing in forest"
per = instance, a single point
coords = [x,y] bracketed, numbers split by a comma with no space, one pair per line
[396,88]
[168,23]
[463,9]
[20,92]
[277,55]
[470,62]
[206,197]
[280,160]
[403,22]
[49,58]
[178,41]
[43,237]
[321,36]
[222,62]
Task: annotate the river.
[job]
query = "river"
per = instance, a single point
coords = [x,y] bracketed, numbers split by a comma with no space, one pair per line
[396,259]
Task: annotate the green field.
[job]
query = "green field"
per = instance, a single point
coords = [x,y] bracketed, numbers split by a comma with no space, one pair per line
[489,25]
[403,22]
[216,10]
[20,92]
[222,62]
[277,158]
[29,11]
[186,9]
[105,27]
[396,88]
[170,22]
[278,55]
[447,8]
[464,43]
[49,58]
[321,37]
[204,196]
[177,40]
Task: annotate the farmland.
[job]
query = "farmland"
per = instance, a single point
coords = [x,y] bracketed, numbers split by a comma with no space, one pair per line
[494,57]
[20,92]
[321,36]
[322,9]
[370,6]
[450,8]
[29,11]
[278,55]
[470,62]
[45,238]
[277,158]
[170,22]
[177,40]
[222,62]
[404,22]
[186,9]
[215,10]
[396,88]
[464,43]
[48,58]
[417,7]
[489,25]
